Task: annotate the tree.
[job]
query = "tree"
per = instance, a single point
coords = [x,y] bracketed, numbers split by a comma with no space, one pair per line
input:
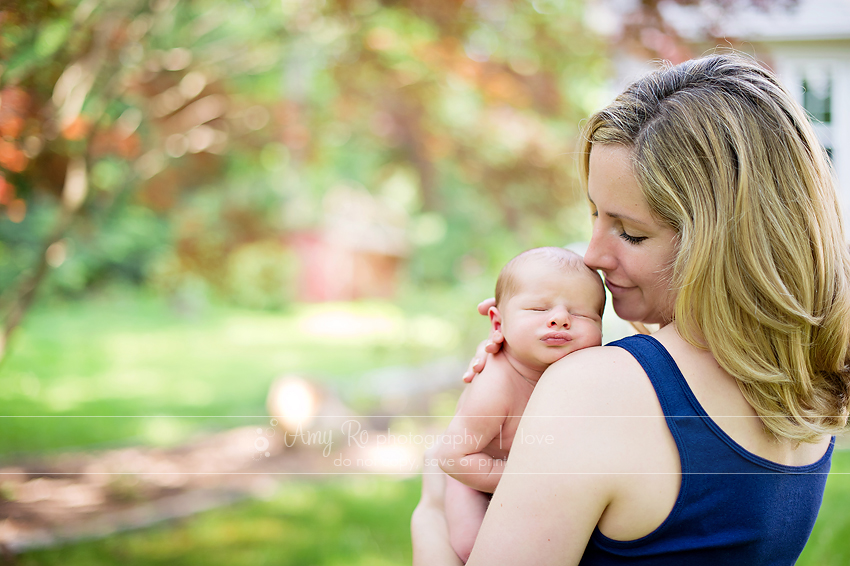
[463,114]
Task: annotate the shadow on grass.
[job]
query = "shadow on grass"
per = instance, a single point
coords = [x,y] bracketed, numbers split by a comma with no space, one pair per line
[361,520]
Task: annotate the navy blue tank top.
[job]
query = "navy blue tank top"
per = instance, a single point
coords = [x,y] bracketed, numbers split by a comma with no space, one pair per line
[733,507]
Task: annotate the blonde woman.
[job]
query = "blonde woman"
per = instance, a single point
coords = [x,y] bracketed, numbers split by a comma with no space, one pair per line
[715,216]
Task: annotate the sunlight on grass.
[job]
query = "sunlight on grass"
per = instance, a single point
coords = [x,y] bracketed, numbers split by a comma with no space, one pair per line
[375,324]
[164,431]
[130,354]
[341,321]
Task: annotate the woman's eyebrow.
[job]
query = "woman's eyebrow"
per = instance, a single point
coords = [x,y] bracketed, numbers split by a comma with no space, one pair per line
[619,216]
[626,217]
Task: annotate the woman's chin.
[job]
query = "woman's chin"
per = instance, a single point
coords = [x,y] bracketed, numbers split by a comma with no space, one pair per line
[628,312]
[639,317]
[639,312]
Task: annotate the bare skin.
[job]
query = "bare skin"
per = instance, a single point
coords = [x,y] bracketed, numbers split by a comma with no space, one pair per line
[501,394]
[609,464]
[486,421]
[613,461]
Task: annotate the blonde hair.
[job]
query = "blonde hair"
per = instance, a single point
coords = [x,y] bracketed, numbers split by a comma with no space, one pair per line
[507,284]
[728,159]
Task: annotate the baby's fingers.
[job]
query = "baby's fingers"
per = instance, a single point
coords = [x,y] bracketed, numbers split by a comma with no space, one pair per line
[477,364]
[470,372]
[484,306]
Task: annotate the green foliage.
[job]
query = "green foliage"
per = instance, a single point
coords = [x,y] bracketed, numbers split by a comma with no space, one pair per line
[261,275]
[265,107]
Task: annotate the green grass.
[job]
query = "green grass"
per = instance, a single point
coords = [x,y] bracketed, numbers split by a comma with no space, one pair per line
[352,521]
[130,355]
[356,521]
[828,545]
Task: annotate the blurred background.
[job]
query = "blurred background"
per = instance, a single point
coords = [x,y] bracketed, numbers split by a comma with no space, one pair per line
[229,227]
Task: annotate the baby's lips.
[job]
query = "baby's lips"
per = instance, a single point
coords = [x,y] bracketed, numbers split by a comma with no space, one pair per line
[556,337]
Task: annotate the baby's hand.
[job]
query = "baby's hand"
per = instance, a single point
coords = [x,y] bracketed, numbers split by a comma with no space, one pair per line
[490,346]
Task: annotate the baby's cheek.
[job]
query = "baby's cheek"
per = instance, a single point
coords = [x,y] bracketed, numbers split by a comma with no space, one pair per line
[592,335]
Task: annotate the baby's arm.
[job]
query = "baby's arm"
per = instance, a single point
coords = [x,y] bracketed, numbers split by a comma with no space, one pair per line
[481,413]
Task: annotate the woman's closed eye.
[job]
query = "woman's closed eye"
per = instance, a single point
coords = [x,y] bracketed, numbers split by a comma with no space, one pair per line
[632,239]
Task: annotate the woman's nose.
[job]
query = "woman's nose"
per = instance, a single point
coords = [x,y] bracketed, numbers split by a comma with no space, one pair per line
[597,256]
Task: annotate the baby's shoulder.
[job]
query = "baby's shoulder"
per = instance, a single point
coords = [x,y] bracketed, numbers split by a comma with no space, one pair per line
[493,386]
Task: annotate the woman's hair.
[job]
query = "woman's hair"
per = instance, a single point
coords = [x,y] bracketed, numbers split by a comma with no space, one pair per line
[728,159]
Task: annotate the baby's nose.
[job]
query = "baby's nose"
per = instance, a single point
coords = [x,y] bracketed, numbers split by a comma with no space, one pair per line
[559,319]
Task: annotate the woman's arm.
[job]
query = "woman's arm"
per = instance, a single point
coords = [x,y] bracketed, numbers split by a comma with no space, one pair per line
[573,457]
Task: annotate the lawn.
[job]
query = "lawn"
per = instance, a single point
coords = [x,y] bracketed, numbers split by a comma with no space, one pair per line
[94,373]
[830,541]
[360,520]
[353,521]
[91,374]
[126,368]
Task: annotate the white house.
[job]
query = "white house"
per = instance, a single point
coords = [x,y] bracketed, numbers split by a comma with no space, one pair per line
[807,42]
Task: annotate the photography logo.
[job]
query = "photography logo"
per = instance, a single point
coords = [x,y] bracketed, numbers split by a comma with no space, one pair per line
[261,443]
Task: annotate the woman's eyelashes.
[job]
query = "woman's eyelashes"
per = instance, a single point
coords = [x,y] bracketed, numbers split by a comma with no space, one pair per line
[623,234]
[632,239]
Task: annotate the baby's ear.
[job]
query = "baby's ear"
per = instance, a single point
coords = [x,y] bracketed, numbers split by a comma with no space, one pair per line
[495,325]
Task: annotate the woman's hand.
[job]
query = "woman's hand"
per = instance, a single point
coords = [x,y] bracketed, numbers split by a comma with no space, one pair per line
[428,529]
[489,346]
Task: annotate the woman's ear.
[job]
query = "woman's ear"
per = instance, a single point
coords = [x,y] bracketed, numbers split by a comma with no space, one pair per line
[495,325]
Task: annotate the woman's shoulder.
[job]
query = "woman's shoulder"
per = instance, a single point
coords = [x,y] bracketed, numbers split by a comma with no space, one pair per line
[606,357]
[600,390]
[601,380]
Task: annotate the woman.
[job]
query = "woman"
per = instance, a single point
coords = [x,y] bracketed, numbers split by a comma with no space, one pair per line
[715,216]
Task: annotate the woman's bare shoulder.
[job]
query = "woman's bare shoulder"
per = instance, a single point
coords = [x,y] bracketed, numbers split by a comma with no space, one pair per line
[601,379]
[576,450]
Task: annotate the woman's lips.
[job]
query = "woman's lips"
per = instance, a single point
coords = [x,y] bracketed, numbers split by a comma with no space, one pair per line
[556,338]
[614,288]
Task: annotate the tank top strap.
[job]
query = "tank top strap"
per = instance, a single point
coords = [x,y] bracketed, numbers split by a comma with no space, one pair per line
[663,373]
[703,446]
[733,507]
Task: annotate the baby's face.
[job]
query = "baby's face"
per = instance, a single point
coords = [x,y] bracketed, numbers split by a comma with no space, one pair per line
[552,314]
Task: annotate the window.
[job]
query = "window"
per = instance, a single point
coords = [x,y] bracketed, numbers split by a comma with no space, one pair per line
[817,100]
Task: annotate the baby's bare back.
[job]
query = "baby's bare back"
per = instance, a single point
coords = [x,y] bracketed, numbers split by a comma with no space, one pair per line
[499,385]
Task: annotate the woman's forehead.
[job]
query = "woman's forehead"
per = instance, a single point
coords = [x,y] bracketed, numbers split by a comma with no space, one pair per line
[613,187]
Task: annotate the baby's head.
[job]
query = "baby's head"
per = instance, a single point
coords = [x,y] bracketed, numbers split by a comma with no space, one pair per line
[548,304]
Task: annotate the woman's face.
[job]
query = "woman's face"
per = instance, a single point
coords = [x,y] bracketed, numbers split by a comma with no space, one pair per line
[628,245]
